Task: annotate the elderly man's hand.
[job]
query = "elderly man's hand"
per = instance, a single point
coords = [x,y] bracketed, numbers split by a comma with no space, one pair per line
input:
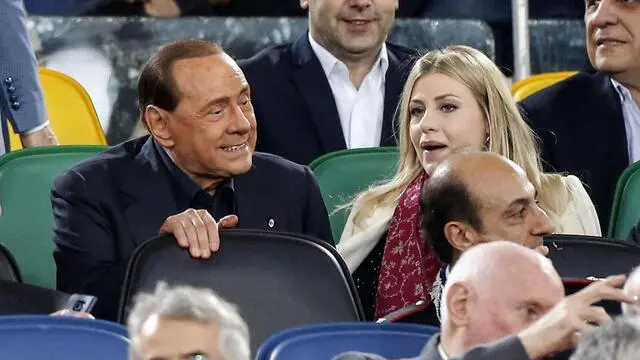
[197,230]
[76,314]
[560,328]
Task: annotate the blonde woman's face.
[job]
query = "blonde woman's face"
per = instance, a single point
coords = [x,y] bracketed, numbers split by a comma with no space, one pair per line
[443,115]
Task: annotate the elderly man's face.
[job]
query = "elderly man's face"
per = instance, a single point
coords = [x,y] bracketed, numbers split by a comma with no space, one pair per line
[163,338]
[350,27]
[212,131]
[507,205]
[510,304]
[613,35]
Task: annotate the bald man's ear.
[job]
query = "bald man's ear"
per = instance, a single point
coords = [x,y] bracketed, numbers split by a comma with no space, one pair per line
[460,235]
[157,121]
[459,297]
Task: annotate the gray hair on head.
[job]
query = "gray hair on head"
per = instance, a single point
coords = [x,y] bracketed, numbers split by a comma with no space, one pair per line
[618,340]
[190,303]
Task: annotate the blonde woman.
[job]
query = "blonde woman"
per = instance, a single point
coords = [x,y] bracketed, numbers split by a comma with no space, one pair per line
[455,97]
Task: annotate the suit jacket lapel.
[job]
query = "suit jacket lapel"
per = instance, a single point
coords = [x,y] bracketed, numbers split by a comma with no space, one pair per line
[394,81]
[314,88]
[150,199]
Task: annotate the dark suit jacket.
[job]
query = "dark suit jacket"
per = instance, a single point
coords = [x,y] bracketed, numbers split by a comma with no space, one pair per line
[581,125]
[507,349]
[634,236]
[108,205]
[294,105]
[21,99]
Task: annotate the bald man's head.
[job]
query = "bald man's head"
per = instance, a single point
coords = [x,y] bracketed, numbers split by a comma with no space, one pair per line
[475,197]
[495,290]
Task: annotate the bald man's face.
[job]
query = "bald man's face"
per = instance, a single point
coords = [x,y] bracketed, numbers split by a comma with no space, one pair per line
[507,203]
[511,301]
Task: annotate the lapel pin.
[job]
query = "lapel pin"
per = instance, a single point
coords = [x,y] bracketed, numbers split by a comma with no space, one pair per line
[271,223]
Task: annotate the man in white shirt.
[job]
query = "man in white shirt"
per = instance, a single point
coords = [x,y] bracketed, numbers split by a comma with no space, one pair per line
[336,87]
[589,124]
[504,301]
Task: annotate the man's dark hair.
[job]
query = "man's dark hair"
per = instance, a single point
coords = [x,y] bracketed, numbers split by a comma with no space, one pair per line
[445,198]
[156,85]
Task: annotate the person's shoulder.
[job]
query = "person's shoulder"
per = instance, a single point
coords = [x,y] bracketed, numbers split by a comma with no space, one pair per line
[570,88]
[270,57]
[114,160]
[276,164]
[402,52]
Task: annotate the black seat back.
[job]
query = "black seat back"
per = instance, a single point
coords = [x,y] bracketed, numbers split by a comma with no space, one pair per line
[18,298]
[580,257]
[9,270]
[277,280]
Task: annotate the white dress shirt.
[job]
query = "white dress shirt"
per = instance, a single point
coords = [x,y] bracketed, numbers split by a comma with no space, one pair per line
[631,113]
[360,109]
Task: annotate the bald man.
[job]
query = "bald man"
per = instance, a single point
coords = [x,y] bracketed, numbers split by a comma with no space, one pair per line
[529,319]
[462,205]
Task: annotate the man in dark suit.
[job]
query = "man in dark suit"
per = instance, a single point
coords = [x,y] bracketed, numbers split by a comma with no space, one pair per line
[21,99]
[504,301]
[589,124]
[195,173]
[333,88]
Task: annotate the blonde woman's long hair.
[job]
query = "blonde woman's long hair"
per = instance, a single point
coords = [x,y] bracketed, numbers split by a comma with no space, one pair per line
[509,135]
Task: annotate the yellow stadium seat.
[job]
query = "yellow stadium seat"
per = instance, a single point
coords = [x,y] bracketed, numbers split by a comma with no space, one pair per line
[535,83]
[71,112]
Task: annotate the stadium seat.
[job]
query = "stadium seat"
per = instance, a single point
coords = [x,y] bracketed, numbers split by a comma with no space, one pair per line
[278,280]
[49,337]
[345,173]
[535,83]
[557,45]
[25,191]
[70,110]
[581,256]
[9,270]
[625,212]
[323,342]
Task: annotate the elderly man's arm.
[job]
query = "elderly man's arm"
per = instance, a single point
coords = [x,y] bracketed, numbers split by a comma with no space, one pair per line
[21,99]
[86,251]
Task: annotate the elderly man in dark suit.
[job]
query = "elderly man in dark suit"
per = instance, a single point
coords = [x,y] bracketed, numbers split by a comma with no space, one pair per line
[335,87]
[21,100]
[504,301]
[589,124]
[196,172]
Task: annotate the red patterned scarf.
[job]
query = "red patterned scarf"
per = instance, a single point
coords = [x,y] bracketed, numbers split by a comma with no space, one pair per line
[406,274]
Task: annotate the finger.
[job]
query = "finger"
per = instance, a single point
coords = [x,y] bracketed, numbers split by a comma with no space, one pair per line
[62,312]
[228,221]
[595,315]
[172,226]
[190,231]
[543,250]
[212,231]
[606,289]
[201,231]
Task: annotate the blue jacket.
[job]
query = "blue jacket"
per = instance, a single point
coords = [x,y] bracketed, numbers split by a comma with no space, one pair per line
[21,99]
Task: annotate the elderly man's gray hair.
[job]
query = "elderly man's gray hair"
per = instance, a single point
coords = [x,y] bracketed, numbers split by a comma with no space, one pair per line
[189,303]
[618,340]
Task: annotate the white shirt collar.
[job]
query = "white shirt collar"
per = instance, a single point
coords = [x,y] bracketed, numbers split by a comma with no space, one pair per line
[622,91]
[329,62]
[443,354]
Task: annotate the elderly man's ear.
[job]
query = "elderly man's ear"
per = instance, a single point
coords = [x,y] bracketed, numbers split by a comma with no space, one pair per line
[460,235]
[456,307]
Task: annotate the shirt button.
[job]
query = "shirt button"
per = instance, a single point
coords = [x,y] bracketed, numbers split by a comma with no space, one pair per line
[13,98]
[15,105]
[11,89]
[271,223]
[8,81]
